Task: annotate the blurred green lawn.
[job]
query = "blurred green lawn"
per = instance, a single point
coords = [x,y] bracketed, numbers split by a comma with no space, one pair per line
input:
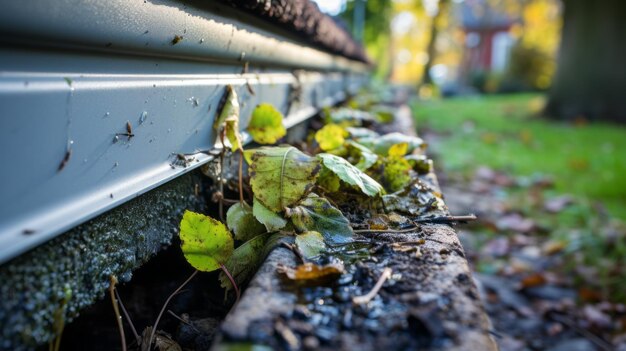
[504,132]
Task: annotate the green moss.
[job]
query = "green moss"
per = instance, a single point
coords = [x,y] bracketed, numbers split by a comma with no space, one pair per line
[81,260]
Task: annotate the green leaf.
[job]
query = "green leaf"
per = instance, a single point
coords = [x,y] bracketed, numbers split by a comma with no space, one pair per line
[317,214]
[228,119]
[244,262]
[381,145]
[242,222]
[350,174]
[266,124]
[351,116]
[311,244]
[206,243]
[358,133]
[281,176]
[272,221]
[366,157]
[247,258]
[331,136]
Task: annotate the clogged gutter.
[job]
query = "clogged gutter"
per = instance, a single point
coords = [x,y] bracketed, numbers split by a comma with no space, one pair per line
[401,282]
[347,223]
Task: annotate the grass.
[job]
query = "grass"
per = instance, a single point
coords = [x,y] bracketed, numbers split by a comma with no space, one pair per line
[505,132]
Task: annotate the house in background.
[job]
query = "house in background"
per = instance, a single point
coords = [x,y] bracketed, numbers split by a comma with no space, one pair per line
[488,40]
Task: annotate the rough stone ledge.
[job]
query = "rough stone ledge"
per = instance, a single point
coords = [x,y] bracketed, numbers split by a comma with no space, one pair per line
[441,276]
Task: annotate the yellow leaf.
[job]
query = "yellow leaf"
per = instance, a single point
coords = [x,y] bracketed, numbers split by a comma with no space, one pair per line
[266,124]
[331,136]
[206,243]
[399,149]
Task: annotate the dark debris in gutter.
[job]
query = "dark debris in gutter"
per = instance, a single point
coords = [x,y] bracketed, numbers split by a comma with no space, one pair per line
[306,19]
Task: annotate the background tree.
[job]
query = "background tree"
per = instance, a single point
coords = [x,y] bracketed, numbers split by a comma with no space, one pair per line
[376,34]
[590,81]
[435,27]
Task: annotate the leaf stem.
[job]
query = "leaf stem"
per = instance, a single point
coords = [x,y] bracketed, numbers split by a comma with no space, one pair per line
[156,323]
[221,180]
[241,175]
[118,317]
[182,320]
[130,322]
[232,281]
[229,201]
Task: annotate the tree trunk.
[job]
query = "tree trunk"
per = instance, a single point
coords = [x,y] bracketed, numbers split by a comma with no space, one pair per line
[434,33]
[590,81]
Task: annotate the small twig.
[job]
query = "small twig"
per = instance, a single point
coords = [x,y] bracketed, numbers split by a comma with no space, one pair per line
[156,323]
[65,159]
[287,335]
[232,281]
[249,86]
[350,242]
[601,343]
[118,317]
[130,322]
[182,320]
[447,219]
[393,231]
[437,241]
[412,242]
[370,295]
[128,135]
